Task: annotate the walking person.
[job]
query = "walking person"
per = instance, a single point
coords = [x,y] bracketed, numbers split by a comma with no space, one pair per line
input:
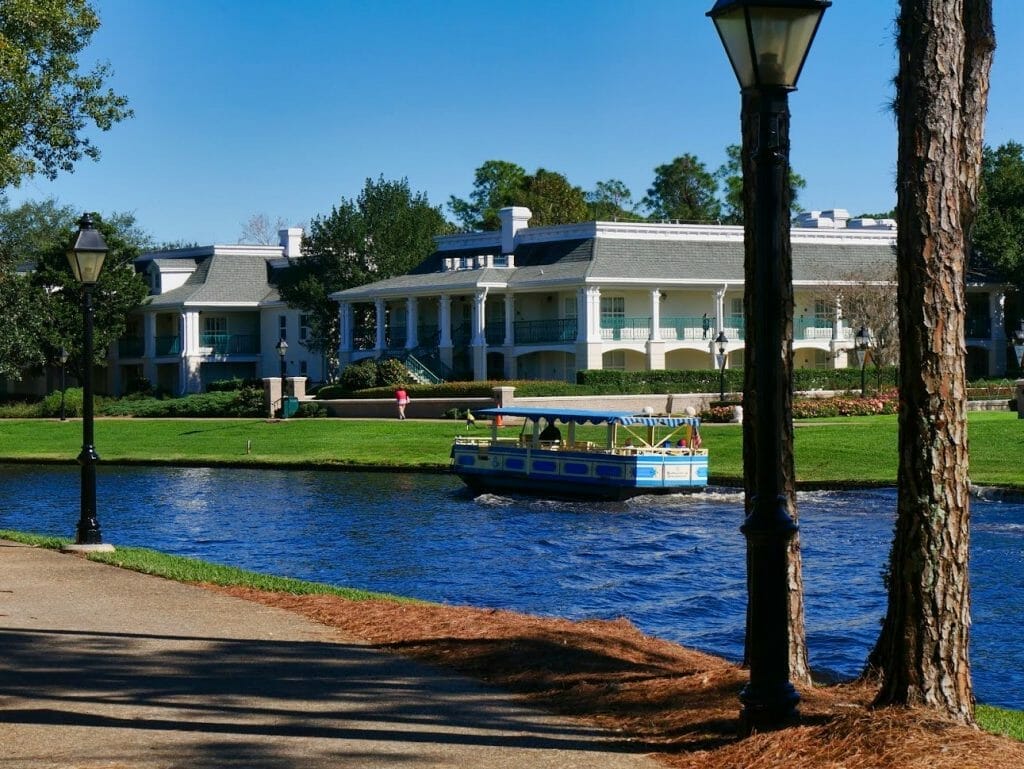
[705,324]
[402,399]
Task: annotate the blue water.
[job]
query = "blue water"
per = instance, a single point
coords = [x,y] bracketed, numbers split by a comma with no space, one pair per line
[673,565]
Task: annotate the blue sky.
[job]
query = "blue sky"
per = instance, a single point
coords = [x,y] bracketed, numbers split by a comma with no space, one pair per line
[286,107]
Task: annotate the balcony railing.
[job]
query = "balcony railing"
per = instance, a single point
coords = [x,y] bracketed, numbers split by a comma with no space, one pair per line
[230,344]
[812,328]
[495,333]
[632,329]
[131,347]
[544,331]
[168,345]
[687,327]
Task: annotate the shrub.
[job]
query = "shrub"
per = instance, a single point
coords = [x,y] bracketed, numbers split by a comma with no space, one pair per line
[50,406]
[391,372]
[232,385]
[311,410]
[247,402]
[358,376]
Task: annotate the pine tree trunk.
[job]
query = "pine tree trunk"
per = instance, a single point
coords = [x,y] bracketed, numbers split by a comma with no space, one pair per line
[945,54]
[799,669]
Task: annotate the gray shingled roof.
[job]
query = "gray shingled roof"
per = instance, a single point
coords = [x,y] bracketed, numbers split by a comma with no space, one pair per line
[612,259]
[220,279]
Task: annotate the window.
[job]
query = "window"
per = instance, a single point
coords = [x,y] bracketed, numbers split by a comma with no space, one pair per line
[570,307]
[614,360]
[215,325]
[303,368]
[282,324]
[304,327]
[613,307]
[735,319]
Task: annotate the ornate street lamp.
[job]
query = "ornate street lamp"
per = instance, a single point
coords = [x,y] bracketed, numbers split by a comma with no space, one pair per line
[863,344]
[86,257]
[282,350]
[767,42]
[722,341]
[63,381]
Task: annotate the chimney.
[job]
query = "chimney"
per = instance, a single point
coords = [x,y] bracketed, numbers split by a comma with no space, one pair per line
[513,219]
[291,241]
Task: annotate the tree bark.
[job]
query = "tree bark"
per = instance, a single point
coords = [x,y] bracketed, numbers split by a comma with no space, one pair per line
[945,54]
[799,669]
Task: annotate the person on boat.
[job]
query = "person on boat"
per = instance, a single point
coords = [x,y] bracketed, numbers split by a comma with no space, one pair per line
[551,433]
[402,400]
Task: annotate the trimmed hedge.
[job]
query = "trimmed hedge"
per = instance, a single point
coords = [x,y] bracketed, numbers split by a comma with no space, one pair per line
[247,402]
[707,380]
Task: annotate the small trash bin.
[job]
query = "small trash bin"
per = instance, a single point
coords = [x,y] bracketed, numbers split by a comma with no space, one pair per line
[289,407]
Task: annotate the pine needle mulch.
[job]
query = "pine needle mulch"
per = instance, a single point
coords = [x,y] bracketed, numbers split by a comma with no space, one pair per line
[675,703]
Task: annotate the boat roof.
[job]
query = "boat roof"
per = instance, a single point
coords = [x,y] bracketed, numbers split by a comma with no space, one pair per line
[582,416]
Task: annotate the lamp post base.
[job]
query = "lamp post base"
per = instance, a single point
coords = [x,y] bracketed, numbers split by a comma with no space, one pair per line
[76,548]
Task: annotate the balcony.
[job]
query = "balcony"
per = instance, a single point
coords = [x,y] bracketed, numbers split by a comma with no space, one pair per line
[168,345]
[131,347]
[812,328]
[230,344]
[495,333]
[687,327]
[978,327]
[545,331]
[630,329]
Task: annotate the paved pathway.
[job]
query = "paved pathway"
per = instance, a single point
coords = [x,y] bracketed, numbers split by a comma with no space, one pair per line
[103,667]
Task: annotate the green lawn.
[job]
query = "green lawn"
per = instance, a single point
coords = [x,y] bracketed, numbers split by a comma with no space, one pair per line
[847,450]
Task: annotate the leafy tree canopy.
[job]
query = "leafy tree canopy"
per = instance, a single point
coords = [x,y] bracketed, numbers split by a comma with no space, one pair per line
[551,199]
[46,102]
[730,176]
[998,235]
[684,190]
[386,231]
[611,200]
[496,184]
[42,294]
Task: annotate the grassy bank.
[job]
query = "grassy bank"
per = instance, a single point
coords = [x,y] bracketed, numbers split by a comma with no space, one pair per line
[847,450]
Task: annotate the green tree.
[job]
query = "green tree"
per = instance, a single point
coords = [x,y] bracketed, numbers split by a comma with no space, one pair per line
[46,102]
[551,199]
[40,296]
[730,176]
[685,190]
[496,184]
[610,200]
[998,236]
[384,232]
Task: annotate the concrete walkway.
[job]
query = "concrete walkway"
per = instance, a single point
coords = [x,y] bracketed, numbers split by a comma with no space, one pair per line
[102,667]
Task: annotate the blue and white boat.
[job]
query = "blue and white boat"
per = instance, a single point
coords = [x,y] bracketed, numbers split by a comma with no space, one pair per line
[639,454]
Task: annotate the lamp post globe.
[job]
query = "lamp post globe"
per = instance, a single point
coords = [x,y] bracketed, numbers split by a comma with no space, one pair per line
[722,341]
[85,257]
[767,42]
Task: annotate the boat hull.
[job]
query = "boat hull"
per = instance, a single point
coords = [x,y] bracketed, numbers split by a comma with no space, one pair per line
[577,474]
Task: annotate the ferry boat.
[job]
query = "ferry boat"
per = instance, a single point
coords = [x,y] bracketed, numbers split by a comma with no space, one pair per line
[637,454]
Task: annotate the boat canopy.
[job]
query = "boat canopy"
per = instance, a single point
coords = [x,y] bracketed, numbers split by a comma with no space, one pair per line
[583,416]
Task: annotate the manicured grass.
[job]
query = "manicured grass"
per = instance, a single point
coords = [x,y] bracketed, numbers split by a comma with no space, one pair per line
[846,450]
[181,569]
[1001,721]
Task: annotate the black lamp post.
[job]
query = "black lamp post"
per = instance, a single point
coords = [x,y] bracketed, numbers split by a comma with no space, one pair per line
[282,350]
[86,259]
[863,342]
[722,341]
[63,381]
[767,42]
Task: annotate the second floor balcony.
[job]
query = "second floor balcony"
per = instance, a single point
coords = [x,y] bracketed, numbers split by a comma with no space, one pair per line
[230,344]
[544,331]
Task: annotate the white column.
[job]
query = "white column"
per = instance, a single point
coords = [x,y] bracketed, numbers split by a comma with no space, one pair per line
[510,309]
[149,346]
[655,335]
[346,326]
[720,307]
[378,307]
[592,315]
[411,320]
[444,321]
[997,347]
[478,341]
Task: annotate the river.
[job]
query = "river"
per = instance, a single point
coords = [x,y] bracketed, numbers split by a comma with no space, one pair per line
[672,565]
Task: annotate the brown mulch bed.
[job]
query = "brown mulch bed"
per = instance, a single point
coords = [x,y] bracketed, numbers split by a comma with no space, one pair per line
[678,704]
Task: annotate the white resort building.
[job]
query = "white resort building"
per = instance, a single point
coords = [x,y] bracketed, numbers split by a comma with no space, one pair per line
[544,302]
